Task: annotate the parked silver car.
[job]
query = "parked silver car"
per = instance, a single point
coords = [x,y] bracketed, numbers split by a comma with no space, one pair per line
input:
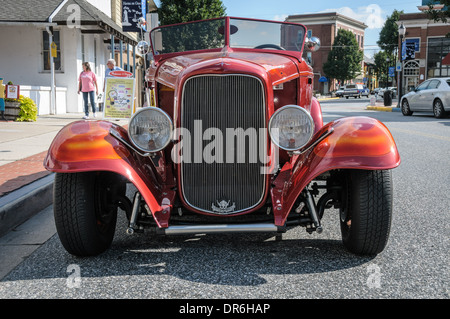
[340,92]
[356,90]
[433,95]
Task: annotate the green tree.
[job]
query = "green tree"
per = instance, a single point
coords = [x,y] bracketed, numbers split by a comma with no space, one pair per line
[192,36]
[440,15]
[345,57]
[382,66]
[388,40]
[178,11]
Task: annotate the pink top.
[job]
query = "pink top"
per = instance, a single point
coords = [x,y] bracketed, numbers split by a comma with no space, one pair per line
[87,81]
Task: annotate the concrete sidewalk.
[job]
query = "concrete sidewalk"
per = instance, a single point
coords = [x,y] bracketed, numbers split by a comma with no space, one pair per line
[25,186]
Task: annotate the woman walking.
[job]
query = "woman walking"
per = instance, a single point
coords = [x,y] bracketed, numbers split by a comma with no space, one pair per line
[87,85]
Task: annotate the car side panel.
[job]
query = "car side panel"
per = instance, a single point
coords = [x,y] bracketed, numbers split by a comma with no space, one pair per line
[414,103]
[445,98]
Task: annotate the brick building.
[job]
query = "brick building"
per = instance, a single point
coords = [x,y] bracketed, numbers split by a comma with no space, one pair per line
[431,48]
[325,26]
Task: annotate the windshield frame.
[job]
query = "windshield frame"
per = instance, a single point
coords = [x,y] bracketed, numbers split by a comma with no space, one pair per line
[159,56]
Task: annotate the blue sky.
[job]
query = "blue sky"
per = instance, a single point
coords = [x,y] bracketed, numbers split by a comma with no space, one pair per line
[373,12]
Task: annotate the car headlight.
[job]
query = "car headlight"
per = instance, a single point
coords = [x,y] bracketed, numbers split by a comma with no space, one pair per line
[150,129]
[291,127]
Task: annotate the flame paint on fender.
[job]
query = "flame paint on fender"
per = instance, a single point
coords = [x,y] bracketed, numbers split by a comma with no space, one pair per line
[86,146]
[356,143]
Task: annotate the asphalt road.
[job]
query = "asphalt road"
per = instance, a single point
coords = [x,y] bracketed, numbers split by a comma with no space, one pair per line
[415,263]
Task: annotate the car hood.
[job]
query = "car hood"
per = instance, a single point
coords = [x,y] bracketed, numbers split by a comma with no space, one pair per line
[277,68]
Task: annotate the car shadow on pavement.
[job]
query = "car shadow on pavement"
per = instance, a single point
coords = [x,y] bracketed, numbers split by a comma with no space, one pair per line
[219,259]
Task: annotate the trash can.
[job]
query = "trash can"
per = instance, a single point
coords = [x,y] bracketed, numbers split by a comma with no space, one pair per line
[387,98]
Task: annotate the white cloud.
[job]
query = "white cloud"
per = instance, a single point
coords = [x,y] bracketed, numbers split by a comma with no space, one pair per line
[280,17]
[371,15]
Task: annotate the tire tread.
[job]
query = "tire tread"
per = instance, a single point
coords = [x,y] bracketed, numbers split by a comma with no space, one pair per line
[371,211]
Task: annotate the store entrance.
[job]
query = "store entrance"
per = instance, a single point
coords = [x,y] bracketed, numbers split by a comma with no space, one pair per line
[410,75]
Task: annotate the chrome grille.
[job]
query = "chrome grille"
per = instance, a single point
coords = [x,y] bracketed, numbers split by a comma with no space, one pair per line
[223,101]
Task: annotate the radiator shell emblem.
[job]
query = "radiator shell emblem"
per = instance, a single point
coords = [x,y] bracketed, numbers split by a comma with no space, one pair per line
[223,206]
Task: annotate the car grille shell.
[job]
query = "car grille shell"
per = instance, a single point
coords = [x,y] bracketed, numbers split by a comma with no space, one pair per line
[231,184]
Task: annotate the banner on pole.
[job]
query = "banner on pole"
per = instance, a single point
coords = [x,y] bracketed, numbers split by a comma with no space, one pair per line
[408,51]
[391,71]
[132,10]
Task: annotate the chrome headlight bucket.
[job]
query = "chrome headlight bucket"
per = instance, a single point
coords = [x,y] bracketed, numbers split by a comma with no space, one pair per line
[150,129]
[291,127]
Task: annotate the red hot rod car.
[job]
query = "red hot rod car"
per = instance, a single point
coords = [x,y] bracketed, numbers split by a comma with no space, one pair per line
[233,142]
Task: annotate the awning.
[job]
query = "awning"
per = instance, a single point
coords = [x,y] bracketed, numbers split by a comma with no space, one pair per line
[90,16]
[446,60]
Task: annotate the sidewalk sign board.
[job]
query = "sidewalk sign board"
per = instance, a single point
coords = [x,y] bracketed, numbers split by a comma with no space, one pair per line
[12,91]
[119,98]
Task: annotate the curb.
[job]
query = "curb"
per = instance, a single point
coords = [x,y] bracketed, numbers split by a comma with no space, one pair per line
[18,206]
[383,108]
[328,98]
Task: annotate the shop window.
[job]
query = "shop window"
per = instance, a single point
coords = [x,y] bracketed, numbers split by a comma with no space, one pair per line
[438,48]
[46,50]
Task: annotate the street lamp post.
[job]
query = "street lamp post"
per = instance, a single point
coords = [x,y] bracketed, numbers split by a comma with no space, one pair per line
[387,72]
[401,33]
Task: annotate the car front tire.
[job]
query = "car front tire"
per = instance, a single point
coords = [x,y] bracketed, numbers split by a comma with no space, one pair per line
[406,111]
[366,215]
[84,210]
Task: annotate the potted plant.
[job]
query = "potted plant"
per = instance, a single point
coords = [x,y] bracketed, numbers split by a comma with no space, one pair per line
[28,110]
[12,107]
[21,109]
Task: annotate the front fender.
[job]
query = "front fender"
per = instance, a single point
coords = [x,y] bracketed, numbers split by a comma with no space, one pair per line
[85,146]
[355,143]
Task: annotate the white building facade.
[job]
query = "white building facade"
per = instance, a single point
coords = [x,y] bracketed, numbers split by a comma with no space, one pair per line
[82,31]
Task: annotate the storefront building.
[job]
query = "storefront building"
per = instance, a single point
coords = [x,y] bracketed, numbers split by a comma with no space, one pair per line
[325,26]
[431,48]
[81,30]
